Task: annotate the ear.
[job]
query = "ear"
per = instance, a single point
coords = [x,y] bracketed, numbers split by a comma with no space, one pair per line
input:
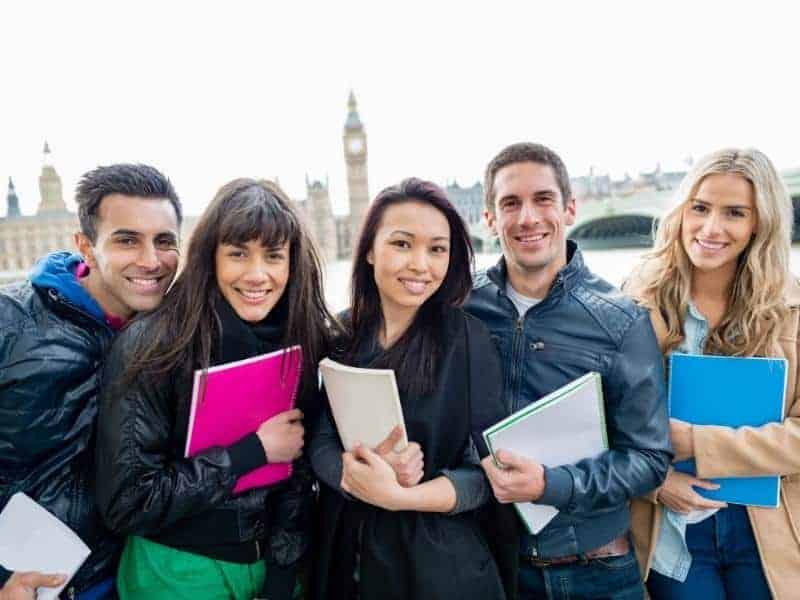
[570,212]
[371,257]
[491,221]
[85,248]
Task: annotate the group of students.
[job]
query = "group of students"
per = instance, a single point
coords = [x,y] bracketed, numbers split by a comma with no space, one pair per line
[99,348]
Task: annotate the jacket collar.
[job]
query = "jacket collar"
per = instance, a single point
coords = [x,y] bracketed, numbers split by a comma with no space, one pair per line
[565,279]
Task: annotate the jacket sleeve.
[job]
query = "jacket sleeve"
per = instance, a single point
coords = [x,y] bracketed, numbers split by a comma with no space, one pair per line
[142,487]
[468,479]
[325,451]
[638,433]
[290,531]
[772,449]
[5,575]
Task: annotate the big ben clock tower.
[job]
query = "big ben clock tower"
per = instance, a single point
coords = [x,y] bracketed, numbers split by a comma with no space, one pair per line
[355,156]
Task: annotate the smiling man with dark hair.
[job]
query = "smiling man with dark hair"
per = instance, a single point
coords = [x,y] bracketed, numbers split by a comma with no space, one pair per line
[57,327]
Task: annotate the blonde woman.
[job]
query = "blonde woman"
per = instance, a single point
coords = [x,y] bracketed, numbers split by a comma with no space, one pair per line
[718,282]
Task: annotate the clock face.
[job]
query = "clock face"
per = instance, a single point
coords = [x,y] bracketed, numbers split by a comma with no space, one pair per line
[356,145]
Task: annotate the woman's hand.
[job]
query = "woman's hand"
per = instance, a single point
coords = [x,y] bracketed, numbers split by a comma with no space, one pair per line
[408,464]
[680,433]
[282,436]
[371,479]
[677,493]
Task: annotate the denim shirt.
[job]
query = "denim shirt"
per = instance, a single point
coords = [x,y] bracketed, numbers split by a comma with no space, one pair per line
[671,557]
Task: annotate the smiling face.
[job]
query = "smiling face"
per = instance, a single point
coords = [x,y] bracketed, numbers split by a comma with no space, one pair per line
[134,257]
[252,278]
[410,255]
[718,223]
[530,219]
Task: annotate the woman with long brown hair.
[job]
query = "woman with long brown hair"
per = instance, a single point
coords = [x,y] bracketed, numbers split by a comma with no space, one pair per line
[718,282]
[251,284]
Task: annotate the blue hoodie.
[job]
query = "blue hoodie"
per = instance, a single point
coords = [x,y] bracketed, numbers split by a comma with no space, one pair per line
[57,271]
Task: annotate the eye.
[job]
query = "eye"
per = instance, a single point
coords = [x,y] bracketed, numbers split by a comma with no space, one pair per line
[235,253]
[126,241]
[276,256]
[440,249]
[737,212]
[401,243]
[509,204]
[699,208]
[167,244]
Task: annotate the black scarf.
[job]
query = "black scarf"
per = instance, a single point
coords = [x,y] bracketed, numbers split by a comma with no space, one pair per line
[241,339]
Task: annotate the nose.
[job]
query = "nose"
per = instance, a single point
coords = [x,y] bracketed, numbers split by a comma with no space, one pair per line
[418,260]
[528,214]
[257,271]
[712,225]
[148,258]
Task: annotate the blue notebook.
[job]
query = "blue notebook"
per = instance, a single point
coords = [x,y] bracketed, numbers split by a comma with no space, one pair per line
[722,390]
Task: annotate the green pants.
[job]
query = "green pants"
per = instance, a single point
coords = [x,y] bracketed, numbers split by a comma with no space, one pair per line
[153,571]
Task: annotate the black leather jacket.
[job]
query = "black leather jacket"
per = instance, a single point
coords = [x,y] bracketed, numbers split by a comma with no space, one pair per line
[50,354]
[584,324]
[146,487]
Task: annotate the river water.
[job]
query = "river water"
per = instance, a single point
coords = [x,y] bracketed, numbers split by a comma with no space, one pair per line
[613,265]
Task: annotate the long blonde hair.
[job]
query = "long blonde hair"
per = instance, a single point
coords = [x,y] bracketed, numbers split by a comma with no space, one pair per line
[756,309]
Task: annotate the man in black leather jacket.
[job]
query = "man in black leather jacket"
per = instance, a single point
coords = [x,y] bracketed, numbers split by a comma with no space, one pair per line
[553,321]
[56,329]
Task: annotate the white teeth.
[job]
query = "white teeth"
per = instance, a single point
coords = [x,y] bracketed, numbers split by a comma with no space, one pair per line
[710,245]
[531,238]
[253,295]
[144,282]
[415,287]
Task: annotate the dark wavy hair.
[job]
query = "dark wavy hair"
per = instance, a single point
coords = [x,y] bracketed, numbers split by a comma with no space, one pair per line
[415,354]
[186,325]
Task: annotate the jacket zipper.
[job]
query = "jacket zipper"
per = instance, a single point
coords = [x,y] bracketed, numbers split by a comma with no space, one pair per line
[71,593]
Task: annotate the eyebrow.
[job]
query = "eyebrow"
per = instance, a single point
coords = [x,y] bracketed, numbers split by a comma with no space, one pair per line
[132,233]
[411,235]
[739,206]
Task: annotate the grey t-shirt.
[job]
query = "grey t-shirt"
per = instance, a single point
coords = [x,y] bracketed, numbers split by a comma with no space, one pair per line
[523,303]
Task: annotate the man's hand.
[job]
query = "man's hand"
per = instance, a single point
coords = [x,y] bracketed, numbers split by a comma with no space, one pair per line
[680,433]
[677,493]
[22,586]
[408,464]
[520,479]
[369,478]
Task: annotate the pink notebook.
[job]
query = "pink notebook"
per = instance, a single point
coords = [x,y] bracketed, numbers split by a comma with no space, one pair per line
[238,397]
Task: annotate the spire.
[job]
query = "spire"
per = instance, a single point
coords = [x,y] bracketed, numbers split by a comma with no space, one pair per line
[12,201]
[47,159]
[353,120]
[51,196]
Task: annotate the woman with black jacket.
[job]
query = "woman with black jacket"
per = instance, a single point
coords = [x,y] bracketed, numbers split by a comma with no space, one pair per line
[251,284]
[399,526]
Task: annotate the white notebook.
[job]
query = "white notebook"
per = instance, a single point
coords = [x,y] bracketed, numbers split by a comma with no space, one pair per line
[32,539]
[561,428]
[365,403]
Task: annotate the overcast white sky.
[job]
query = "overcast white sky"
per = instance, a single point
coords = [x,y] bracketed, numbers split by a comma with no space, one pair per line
[248,89]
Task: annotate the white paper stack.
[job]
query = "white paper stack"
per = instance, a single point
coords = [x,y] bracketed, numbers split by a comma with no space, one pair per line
[561,428]
[32,539]
[365,403]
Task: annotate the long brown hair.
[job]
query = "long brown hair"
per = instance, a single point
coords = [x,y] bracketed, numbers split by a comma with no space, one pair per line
[186,326]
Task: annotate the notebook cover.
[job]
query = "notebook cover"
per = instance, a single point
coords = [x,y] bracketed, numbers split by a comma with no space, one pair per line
[236,399]
[732,392]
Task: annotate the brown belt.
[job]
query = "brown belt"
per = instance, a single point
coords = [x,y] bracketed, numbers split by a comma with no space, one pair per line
[616,547]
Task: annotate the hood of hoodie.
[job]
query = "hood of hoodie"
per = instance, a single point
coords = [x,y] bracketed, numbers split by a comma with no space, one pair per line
[56,271]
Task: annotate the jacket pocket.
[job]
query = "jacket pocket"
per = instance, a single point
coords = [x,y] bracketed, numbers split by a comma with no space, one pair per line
[580,357]
[790,490]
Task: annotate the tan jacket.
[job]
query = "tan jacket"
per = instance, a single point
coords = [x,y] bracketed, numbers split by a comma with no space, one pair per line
[747,451]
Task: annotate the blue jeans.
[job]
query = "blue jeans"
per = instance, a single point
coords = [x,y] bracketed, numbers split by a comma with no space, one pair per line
[612,578]
[725,562]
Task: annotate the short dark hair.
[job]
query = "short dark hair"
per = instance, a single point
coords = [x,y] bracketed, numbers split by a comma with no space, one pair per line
[414,356]
[526,152]
[126,179]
